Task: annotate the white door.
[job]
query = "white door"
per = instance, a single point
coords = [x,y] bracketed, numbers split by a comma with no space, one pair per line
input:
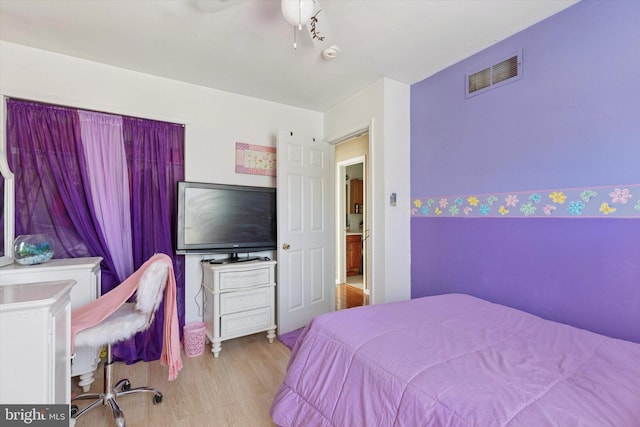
[306,260]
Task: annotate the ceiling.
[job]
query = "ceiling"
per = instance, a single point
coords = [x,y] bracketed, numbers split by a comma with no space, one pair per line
[246,46]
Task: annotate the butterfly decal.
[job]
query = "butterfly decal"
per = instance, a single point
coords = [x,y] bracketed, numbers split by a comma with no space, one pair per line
[606,209]
[586,195]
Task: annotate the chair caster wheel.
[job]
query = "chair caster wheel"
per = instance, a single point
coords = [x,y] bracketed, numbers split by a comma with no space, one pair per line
[74,410]
[157,398]
[126,386]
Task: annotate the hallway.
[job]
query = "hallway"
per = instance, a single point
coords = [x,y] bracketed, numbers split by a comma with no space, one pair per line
[348,296]
[355,281]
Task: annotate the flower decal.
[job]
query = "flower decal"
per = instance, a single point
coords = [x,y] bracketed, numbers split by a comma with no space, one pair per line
[484,209]
[414,211]
[511,200]
[454,209]
[637,207]
[438,211]
[620,196]
[586,195]
[473,201]
[417,203]
[425,210]
[576,207]
[606,209]
[528,209]
[558,197]
[467,210]
[548,209]
[443,203]
[491,200]
[459,201]
[535,198]
[503,211]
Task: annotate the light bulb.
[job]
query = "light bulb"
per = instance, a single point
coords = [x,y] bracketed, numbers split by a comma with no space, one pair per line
[297,12]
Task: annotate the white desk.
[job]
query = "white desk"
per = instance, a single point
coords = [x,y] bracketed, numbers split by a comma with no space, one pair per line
[35,331]
[86,272]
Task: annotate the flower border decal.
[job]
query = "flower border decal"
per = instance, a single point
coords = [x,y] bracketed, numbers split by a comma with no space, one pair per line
[587,202]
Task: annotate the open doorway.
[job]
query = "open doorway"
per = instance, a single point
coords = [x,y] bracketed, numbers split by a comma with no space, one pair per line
[352,220]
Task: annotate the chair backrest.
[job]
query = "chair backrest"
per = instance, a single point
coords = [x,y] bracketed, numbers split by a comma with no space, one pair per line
[151,289]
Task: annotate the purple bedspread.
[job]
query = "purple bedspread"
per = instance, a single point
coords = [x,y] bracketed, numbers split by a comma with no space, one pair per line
[456,360]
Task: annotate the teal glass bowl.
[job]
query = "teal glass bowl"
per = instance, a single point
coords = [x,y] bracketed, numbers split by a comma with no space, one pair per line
[30,249]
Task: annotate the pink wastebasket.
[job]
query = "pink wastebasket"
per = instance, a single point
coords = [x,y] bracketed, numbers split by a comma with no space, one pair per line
[193,338]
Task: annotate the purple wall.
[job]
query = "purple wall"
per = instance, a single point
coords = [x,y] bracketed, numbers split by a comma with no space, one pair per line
[575,271]
[573,120]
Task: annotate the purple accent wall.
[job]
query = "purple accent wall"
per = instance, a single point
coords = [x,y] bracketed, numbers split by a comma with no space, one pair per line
[571,121]
[585,272]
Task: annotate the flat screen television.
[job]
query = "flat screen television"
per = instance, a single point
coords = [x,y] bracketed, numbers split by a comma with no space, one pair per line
[222,218]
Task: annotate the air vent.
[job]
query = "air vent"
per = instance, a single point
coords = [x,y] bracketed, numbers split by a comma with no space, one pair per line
[496,75]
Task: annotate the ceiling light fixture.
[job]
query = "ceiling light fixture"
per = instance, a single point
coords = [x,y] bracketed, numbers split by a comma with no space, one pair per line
[297,12]
[330,53]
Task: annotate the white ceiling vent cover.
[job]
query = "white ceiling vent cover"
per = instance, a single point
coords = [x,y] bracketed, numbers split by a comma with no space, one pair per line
[503,72]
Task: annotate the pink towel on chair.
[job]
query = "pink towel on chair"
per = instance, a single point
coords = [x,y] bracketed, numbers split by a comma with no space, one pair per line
[96,311]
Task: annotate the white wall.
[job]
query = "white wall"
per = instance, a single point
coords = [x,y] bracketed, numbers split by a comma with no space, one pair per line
[384,108]
[214,120]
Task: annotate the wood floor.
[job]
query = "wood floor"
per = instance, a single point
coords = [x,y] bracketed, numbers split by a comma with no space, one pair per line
[349,296]
[234,390]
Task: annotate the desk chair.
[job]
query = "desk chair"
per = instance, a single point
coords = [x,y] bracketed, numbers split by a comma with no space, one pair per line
[122,324]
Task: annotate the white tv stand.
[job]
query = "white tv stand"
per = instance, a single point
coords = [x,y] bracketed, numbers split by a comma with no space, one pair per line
[238,300]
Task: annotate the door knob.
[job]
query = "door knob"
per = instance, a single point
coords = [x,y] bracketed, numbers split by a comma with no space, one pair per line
[285,246]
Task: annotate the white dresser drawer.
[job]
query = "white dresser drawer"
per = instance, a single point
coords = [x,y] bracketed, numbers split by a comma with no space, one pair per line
[234,302]
[239,324]
[245,279]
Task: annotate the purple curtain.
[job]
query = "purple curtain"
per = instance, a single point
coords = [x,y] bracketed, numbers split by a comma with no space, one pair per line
[53,196]
[155,153]
[45,154]
[104,151]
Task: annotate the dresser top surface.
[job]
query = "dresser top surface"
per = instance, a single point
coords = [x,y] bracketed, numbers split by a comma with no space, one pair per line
[41,293]
[239,266]
[62,263]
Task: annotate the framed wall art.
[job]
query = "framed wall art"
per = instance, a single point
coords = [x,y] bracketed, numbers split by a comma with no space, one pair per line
[255,159]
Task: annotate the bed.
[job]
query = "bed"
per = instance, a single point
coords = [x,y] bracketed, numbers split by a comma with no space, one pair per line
[456,360]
